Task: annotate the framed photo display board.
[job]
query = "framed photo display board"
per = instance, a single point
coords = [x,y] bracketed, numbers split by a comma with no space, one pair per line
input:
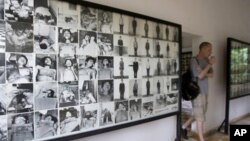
[69,70]
[238,74]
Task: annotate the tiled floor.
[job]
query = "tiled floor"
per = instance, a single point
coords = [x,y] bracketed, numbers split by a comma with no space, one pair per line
[219,136]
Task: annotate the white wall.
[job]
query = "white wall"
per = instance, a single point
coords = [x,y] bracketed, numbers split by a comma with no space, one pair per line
[213,20]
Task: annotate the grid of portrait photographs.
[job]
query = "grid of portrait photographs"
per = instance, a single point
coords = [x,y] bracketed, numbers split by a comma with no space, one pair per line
[239,68]
[67,68]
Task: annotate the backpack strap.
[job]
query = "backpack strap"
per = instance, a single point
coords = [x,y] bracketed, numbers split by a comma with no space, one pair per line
[196,78]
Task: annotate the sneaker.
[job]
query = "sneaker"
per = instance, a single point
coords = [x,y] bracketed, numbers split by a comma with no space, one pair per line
[184,133]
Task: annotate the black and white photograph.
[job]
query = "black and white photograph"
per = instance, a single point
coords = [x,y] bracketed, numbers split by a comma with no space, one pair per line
[3,100]
[135,88]
[147,87]
[174,63]
[171,33]
[68,40]
[157,31]
[107,114]
[105,21]
[159,49]
[135,67]
[67,68]
[68,94]
[121,111]
[45,95]
[105,67]
[87,68]
[121,45]
[105,43]
[68,14]
[135,26]
[167,49]
[120,23]
[89,116]
[19,98]
[175,84]
[135,109]
[146,47]
[19,68]
[166,32]
[2,34]
[44,12]
[19,10]
[2,68]
[88,43]
[158,67]
[161,101]
[46,123]
[45,69]
[105,91]
[45,38]
[19,37]
[2,9]
[167,87]
[174,50]
[172,98]
[158,85]
[21,127]
[134,49]
[147,107]
[121,89]
[146,28]
[88,18]
[88,92]
[121,69]
[69,120]
[3,128]
[147,67]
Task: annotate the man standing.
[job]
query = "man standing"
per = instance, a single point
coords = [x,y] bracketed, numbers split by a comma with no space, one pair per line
[135,47]
[121,68]
[122,89]
[134,25]
[201,67]
[121,23]
[135,68]
[120,44]
[147,46]
[146,28]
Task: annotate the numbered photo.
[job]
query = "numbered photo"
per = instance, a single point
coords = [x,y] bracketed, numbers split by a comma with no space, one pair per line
[87,68]
[158,85]
[121,71]
[46,95]
[121,23]
[105,21]
[105,90]
[45,39]
[105,67]
[68,94]
[107,114]
[121,89]
[88,43]
[147,28]
[135,68]
[147,87]
[88,18]
[105,43]
[147,107]
[135,109]
[21,127]
[44,13]
[146,47]
[19,68]
[67,68]
[68,14]
[88,92]
[69,120]
[19,37]
[46,68]
[89,116]
[19,98]
[121,111]
[134,49]
[19,10]
[135,88]
[121,45]
[46,123]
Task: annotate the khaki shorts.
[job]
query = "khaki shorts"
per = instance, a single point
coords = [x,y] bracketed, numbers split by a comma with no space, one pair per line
[200,107]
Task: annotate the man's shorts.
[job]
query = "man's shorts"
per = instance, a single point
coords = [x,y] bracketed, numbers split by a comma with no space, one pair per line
[200,107]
